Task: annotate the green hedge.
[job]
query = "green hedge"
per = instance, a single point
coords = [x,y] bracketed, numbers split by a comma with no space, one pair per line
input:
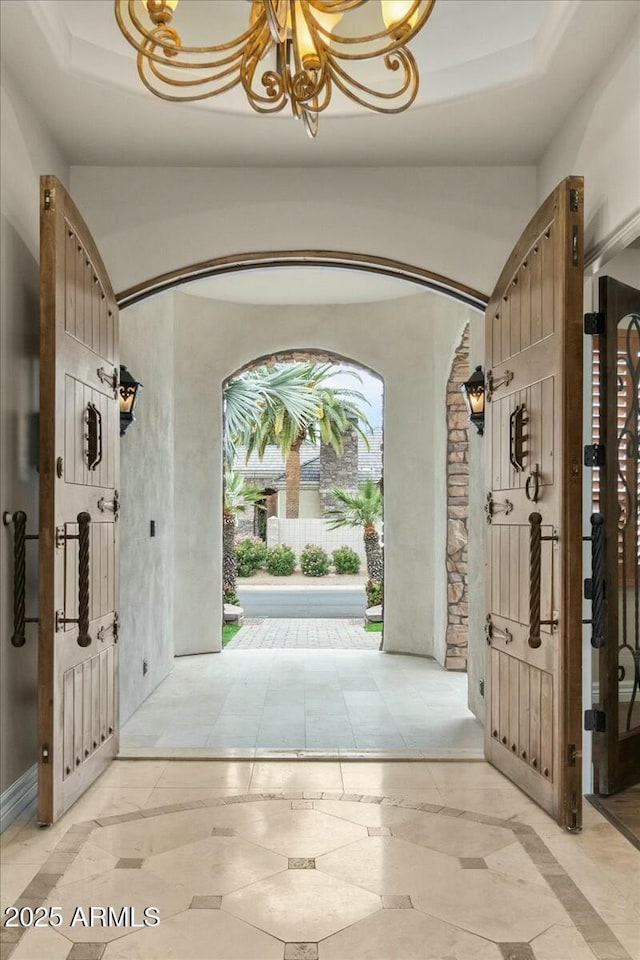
[314,562]
[281,561]
[251,553]
[346,560]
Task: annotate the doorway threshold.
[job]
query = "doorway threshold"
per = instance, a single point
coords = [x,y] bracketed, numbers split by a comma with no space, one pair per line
[260,753]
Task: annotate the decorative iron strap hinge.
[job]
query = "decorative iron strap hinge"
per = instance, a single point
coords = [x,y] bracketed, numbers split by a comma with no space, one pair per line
[492,383]
[113,628]
[595,720]
[112,505]
[594,324]
[491,507]
[494,633]
[594,455]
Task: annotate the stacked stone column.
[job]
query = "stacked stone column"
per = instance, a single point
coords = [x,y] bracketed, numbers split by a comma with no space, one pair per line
[457,637]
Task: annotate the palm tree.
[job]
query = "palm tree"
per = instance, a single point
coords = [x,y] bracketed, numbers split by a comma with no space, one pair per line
[361,509]
[237,496]
[260,392]
[335,410]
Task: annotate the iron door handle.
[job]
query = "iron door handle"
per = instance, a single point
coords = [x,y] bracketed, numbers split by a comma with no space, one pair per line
[517,437]
[535,579]
[598,582]
[94,436]
[84,529]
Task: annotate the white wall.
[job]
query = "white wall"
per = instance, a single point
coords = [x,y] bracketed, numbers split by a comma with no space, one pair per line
[147,491]
[600,139]
[27,152]
[309,504]
[457,221]
[298,533]
[397,340]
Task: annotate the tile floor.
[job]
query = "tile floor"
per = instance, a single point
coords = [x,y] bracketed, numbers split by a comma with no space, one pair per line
[311,634]
[254,860]
[337,701]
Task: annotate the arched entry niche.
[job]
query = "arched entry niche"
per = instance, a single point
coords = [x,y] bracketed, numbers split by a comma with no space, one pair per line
[210,373]
[330,470]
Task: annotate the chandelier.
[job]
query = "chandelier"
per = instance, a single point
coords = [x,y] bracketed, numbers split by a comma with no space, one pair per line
[292,52]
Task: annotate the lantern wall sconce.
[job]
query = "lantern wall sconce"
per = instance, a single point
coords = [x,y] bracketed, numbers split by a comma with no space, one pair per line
[128,391]
[473,391]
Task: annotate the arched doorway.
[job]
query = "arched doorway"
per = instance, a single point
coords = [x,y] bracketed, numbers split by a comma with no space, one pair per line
[319,584]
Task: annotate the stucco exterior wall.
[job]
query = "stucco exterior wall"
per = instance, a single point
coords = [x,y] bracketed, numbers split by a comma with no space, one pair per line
[147,483]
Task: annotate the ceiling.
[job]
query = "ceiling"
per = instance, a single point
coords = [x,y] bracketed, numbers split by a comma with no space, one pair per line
[497,79]
[302,286]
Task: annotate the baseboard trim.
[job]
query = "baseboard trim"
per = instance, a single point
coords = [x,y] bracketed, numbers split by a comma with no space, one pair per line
[18,796]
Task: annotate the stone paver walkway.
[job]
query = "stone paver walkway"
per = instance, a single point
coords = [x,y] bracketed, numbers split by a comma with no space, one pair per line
[293,634]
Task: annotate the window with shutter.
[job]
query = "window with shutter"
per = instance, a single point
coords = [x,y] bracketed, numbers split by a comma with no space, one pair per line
[628,461]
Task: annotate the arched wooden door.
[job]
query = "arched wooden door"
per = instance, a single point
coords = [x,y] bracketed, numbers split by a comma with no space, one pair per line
[533,728]
[79,468]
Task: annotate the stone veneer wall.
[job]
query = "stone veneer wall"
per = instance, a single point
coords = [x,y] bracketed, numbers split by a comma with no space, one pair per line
[457,636]
[338,471]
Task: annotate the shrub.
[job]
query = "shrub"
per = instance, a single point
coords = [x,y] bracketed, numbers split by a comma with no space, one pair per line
[314,562]
[251,553]
[230,596]
[346,560]
[374,593]
[281,561]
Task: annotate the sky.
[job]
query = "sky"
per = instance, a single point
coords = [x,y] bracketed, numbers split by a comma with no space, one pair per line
[368,384]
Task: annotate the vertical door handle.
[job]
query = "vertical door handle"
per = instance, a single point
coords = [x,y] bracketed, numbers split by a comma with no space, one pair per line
[597,583]
[84,530]
[535,573]
[20,537]
[535,579]
[94,436]
[517,437]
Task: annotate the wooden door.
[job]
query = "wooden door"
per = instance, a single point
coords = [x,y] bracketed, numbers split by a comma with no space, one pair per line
[79,464]
[533,441]
[616,489]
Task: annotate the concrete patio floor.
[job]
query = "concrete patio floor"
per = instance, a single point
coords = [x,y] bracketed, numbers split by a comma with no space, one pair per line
[336,702]
[298,634]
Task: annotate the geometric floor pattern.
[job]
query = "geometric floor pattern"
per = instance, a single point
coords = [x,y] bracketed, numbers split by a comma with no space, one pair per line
[243,702]
[315,874]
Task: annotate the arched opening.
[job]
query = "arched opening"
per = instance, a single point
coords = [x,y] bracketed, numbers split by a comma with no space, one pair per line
[409,341]
[304,567]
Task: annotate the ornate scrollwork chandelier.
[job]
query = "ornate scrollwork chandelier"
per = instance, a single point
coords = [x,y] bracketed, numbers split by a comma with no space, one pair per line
[290,53]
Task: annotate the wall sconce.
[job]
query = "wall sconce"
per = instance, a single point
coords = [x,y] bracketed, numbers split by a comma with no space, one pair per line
[473,392]
[128,390]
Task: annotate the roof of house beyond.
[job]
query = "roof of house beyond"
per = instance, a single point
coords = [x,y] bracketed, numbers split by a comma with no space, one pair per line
[272,465]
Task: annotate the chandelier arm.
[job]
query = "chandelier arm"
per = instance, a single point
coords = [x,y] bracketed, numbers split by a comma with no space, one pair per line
[198,81]
[400,58]
[348,85]
[191,98]
[149,35]
[271,102]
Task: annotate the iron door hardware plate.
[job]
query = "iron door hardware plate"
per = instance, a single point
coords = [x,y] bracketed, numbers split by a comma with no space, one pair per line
[594,455]
[594,324]
[595,720]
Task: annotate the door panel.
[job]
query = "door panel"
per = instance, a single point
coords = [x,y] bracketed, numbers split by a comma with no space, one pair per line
[534,440]
[79,463]
[617,748]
